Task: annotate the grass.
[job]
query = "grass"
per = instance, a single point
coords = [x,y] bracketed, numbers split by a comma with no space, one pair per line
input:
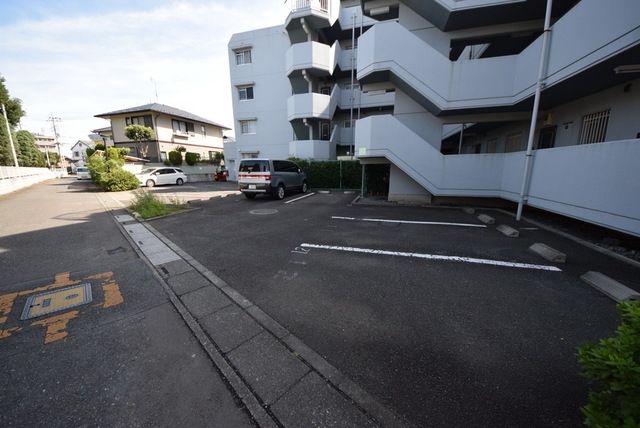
[149,205]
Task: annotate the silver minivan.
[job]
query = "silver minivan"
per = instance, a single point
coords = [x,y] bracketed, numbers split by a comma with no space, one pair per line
[273,177]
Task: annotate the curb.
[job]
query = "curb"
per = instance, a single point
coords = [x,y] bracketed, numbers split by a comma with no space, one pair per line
[261,413]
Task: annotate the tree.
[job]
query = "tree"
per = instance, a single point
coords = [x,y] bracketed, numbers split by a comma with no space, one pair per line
[14,113]
[99,146]
[27,151]
[141,136]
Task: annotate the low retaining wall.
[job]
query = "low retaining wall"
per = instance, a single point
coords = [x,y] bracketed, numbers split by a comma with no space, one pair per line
[12,178]
[194,173]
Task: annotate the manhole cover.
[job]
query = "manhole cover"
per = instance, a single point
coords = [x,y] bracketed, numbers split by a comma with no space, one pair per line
[55,301]
[263,211]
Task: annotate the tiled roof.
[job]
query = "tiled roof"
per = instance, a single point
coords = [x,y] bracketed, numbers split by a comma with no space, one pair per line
[161,108]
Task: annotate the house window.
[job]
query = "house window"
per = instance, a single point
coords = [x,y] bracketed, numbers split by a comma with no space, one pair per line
[203,129]
[547,137]
[140,120]
[513,143]
[181,127]
[247,126]
[76,154]
[594,127]
[163,156]
[243,56]
[245,93]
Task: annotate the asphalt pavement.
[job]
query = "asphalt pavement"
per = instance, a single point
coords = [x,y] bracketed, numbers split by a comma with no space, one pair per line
[440,340]
[126,358]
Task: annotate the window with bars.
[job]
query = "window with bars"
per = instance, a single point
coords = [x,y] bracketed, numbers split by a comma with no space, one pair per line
[594,127]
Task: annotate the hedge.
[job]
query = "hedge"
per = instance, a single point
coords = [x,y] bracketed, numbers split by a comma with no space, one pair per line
[175,157]
[331,174]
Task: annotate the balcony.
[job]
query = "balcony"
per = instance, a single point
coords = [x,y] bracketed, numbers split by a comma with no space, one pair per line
[318,13]
[312,55]
[313,105]
[365,99]
[438,84]
[312,149]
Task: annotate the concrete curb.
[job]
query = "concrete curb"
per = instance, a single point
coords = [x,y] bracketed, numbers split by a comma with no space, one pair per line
[487,219]
[368,404]
[548,253]
[609,286]
[580,241]
[508,231]
[363,403]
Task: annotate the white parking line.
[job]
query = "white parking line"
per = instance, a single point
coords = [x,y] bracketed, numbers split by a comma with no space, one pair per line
[433,257]
[301,197]
[381,220]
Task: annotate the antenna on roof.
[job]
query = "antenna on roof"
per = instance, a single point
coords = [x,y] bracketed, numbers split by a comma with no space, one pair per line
[155,87]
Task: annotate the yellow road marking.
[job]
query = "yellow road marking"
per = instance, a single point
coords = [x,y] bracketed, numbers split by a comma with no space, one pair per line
[6,303]
[112,295]
[56,326]
[8,332]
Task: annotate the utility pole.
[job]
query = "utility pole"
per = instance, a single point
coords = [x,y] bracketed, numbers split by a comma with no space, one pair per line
[53,120]
[13,149]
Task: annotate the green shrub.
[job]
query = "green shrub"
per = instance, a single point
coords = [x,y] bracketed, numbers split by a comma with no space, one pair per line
[148,205]
[175,157]
[614,364]
[90,152]
[117,180]
[166,162]
[331,174]
[191,158]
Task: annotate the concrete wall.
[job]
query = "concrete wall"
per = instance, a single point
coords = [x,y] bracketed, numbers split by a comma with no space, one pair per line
[271,89]
[12,178]
[598,183]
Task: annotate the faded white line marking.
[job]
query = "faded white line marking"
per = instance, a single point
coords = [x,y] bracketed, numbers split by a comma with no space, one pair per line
[436,223]
[295,262]
[301,197]
[433,257]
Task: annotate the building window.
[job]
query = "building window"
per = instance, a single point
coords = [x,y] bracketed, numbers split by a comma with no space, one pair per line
[181,127]
[547,138]
[76,154]
[247,126]
[594,127]
[513,143]
[349,123]
[203,129]
[163,156]
[140,120]
[243,56]
[245,93]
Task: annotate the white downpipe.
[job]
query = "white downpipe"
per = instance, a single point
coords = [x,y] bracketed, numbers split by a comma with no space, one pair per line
[353,66]
[536,106]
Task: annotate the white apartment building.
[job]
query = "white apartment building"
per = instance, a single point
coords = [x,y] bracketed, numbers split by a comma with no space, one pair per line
[460,79]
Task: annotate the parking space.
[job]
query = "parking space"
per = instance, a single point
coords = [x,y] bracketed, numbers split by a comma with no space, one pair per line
[434,312]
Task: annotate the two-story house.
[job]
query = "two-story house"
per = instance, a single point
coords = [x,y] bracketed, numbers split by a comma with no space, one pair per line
[79,152]
[173,128]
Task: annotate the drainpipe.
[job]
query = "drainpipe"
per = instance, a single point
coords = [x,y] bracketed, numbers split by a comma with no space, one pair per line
[306,29]
[306,77]
[353,66]
[536,106]
[306,123]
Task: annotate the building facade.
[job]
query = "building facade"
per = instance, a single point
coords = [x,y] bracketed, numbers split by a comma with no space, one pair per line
[173,128]
[463,78]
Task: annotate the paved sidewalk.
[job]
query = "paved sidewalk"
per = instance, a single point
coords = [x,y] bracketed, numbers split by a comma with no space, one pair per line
[280,380]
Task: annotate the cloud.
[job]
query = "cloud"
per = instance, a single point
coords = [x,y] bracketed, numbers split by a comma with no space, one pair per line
[77,66]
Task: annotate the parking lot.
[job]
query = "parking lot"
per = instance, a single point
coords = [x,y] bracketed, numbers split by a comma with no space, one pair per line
[436,314]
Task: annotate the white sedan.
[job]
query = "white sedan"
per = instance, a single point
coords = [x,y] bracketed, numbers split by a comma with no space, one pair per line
[157,176]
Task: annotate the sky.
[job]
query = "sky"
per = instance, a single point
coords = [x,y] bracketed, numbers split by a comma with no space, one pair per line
[74,59]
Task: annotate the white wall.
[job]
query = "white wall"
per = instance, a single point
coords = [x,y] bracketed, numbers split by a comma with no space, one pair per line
[271,89]
[12,178]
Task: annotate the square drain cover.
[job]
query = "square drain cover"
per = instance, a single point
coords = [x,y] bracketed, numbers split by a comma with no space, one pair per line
[57,300]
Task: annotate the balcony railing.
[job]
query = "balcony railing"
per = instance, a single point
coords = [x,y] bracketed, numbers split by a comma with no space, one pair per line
[321,5]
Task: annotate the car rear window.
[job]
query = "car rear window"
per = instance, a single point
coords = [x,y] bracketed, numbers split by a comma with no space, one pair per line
[254,166]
